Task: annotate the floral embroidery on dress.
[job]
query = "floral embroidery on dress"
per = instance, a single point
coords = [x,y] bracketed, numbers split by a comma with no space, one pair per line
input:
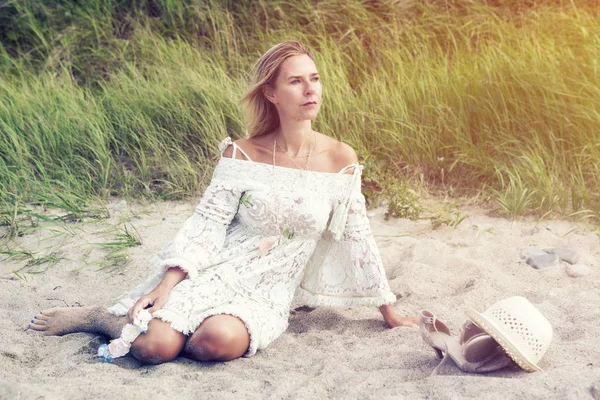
[287,234]
[245,199]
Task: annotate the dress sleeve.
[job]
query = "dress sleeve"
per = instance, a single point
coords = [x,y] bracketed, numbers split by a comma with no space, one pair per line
[203,234]
[197,242]
[346,269]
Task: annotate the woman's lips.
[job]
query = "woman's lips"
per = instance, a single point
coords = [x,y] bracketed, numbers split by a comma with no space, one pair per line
[310,103]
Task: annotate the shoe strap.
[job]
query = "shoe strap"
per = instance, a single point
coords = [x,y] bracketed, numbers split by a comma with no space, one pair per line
[431,320]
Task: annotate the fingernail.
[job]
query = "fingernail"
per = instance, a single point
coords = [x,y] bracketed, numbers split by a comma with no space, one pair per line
[41,312]
[35,317]
[28,326]
[31,321]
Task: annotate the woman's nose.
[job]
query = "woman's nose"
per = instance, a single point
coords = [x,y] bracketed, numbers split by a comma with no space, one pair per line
[310,89]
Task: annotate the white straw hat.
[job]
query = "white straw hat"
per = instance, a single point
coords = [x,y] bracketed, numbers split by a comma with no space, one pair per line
[522,331]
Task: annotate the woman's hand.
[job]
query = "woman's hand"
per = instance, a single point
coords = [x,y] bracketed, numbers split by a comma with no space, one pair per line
[156,298]
[397,320]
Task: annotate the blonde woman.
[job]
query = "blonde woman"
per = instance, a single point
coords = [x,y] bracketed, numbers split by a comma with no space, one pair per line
[282,216]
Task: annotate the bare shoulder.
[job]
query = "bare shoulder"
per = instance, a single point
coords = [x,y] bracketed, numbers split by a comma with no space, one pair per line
[345,154]
[342,155]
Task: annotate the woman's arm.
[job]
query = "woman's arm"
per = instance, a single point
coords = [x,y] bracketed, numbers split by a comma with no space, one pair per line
[158,297]
[172,277]
[393,320]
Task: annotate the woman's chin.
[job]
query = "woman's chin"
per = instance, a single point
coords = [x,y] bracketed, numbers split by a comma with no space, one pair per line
[308,115]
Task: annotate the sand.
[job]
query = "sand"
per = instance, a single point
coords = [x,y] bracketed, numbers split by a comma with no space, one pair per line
[326,353]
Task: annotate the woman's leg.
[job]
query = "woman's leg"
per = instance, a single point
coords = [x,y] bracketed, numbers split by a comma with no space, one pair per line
[221,337]
[159,344]
[63,320]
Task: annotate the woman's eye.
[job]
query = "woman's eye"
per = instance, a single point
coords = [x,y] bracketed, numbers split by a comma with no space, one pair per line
[314,79]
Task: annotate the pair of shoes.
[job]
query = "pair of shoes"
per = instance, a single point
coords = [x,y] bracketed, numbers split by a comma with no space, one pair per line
[481,351]
[475,351]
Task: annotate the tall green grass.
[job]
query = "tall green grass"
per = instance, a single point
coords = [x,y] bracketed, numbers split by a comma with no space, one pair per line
[130,98]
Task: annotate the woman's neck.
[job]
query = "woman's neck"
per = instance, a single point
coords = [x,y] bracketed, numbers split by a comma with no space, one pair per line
[295,138]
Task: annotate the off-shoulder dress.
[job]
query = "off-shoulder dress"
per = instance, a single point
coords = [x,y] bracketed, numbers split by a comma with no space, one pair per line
[262,235]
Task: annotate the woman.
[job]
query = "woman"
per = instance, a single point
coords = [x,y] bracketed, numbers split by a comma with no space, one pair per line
[283,215]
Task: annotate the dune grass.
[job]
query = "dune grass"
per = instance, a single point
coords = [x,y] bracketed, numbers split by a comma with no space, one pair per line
[129,98]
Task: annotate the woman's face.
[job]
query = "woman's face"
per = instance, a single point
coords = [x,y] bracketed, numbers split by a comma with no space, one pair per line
[297,91]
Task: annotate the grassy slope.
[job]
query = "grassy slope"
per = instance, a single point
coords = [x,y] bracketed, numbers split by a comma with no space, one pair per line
[131,97]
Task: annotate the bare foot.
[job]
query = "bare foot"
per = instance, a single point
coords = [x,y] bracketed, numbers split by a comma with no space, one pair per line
[63,320]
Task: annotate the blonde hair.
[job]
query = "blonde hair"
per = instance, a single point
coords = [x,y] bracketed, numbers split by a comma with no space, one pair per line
[261,114]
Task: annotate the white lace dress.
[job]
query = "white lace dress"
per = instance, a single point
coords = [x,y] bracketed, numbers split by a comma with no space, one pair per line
[241,262]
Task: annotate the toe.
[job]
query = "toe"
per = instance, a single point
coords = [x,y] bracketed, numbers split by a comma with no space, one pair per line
[37,327]
[51,311]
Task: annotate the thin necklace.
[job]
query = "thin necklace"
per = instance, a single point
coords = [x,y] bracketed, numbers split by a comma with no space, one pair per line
[286,233]
[276,193]
[277,202]
[296,164]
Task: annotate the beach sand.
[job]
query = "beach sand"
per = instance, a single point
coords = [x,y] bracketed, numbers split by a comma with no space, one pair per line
[325,353]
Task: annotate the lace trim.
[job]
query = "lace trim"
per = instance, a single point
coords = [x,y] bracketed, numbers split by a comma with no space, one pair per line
[181,324]
[181,263]
[177,321]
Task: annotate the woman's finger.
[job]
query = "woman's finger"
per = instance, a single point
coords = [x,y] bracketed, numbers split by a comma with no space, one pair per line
[139,305]
[158,304]
[132,310]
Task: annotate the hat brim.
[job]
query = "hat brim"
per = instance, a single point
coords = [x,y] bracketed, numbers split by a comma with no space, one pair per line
[492,328]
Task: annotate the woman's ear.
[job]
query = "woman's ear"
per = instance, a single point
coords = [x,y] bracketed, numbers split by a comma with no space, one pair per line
[268,93]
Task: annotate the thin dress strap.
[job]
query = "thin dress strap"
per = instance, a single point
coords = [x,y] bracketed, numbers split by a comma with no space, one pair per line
[226,142]
[235,146]
[347,167]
